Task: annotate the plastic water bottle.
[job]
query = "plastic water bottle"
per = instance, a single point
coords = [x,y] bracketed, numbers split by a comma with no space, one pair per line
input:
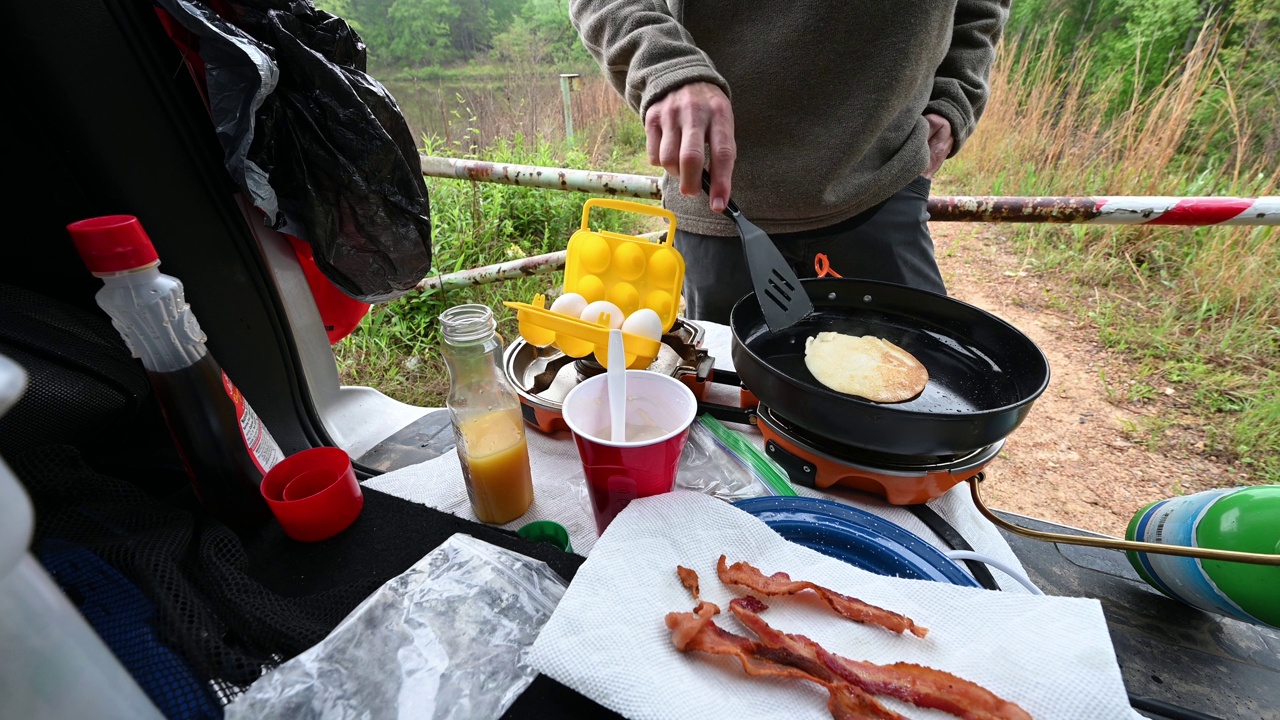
[52,663]
[224,444]
[1245,519]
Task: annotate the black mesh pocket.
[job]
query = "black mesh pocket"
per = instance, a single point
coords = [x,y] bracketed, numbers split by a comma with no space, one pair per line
[221,624]
[82,381]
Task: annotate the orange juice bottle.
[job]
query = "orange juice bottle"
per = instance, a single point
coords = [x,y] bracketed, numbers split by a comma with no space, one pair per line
[487,421]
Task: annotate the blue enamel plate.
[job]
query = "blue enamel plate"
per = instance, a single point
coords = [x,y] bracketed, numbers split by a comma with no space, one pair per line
[857,537]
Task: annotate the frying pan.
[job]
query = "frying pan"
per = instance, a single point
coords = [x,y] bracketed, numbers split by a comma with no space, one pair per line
[983,373]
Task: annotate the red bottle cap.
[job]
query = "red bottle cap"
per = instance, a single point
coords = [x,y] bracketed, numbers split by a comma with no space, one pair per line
[112,243]
[313,493]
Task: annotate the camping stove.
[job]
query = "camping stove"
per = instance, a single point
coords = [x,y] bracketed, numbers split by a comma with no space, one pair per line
[544,376]
[818,462]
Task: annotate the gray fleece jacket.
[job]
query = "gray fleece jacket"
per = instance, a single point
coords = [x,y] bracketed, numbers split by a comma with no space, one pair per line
[828,96]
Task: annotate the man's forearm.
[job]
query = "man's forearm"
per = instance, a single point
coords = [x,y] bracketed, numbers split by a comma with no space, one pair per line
[644,52]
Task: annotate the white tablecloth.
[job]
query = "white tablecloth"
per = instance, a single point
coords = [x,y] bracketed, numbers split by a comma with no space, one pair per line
[560,492]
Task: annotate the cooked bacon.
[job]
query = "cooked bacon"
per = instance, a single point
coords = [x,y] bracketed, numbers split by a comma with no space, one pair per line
[689,578]
[686,626]
[744,575]
[849,702]
[921,686]
[697,631]
[925,687]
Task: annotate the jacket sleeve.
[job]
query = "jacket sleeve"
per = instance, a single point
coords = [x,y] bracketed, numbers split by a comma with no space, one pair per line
[641,47]
[960,84]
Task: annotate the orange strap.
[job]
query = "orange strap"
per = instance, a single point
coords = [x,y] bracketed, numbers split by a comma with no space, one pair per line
[822,266]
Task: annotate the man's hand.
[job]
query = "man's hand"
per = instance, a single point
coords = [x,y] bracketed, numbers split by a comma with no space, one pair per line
[680,125]
[940,142]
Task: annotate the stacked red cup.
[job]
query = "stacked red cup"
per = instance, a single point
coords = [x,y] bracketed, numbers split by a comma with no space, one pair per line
[660,410]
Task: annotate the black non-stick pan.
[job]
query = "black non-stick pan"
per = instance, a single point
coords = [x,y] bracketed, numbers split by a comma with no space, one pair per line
[983,373]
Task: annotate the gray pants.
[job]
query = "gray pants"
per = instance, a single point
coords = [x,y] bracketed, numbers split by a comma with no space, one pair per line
[889,242]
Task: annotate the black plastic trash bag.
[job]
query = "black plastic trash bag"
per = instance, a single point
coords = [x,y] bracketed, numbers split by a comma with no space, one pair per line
[318,145]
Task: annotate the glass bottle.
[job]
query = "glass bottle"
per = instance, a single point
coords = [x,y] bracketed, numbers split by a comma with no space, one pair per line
[487,421]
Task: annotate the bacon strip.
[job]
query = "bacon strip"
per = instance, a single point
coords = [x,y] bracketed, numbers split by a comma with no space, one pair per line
[921,686]
[689,578]
[696,631]
[744,575]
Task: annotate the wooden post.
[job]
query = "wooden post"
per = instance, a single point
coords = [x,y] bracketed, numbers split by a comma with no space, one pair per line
[568,83]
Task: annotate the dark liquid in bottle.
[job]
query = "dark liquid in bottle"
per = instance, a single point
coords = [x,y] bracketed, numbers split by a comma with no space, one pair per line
[202,419]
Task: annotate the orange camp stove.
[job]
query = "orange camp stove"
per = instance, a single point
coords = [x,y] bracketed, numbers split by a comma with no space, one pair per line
[819,463]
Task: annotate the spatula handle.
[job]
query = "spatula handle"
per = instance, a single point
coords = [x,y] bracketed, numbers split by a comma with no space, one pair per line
[730,208]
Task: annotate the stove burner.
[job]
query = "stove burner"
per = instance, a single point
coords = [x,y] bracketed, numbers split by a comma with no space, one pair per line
[544,376]
[818,462]
[589,367]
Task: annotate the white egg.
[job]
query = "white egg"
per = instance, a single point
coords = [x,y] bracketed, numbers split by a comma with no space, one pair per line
[643,323]
[569,304]
[591,313]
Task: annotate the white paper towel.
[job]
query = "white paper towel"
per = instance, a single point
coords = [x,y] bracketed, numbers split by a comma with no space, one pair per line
[608,639]
[559,487]
[559,494]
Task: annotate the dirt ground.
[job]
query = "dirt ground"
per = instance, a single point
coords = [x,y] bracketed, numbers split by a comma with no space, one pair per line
[1074,460]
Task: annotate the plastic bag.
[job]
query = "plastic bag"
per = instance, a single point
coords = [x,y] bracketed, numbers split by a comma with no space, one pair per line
[719,462]
[446,639]
[320,147]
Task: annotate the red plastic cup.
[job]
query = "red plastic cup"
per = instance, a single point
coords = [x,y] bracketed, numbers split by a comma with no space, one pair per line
[619,472]
[314,494]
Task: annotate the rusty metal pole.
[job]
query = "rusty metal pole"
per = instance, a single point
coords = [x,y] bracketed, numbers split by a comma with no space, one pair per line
[524,267]
[1093,210]
[585,181]
[1110,210]
[1117,210]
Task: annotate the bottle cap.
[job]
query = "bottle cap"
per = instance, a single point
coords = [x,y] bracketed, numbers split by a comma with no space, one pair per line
[313,493]
[546,531]
[112,243]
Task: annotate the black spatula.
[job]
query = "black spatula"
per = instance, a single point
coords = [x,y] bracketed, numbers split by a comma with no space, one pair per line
[782,300]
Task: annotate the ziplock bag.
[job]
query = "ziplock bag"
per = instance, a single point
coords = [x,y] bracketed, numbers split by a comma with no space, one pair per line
[720,463]
[446,639]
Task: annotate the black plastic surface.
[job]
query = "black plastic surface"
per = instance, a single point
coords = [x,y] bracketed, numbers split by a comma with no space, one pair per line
[427,437]
[1168,651]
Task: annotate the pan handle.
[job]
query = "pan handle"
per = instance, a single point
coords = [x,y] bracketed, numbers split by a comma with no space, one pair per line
[728,413]
[730,208]
[1112,543]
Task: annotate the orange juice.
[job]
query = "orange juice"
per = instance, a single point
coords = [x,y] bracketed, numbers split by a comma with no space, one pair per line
[495,463]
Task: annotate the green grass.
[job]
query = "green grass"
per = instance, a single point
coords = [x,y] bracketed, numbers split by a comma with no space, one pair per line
[472,74]
[396,348]
[1194,309]
[1220,355]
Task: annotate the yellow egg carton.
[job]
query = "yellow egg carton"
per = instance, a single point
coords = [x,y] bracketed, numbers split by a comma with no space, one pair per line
[628,271]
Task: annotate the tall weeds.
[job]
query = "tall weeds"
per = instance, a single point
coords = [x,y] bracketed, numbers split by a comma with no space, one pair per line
[1200,307]
[470,109]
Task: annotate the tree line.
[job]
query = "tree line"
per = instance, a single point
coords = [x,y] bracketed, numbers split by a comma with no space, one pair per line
[424,33]
[1138,43]
[1133,42]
